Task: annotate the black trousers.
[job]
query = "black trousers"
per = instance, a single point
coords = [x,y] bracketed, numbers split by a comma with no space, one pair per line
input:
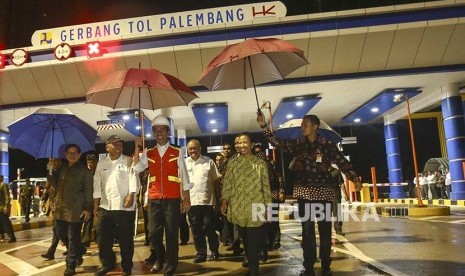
[306,212]
[274,232]
[336,209]
[5,225]
[146,224]
[26,208]
[201,219]
[183,228]
[70,234]
[164,216]
[55,240]
[253,242]
[86,236]
[123,221]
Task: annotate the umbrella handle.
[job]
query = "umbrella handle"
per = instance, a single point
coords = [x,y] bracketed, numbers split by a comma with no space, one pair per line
[50,167]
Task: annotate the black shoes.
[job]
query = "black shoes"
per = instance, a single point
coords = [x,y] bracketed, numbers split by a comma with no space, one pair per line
[79,261]
[157,267]
[199,259]
[183,243]
[307,272]
[151,259]
[276,246]
[245,263]
[12,240]
[69,271]
[103,271]
[215,256]
[47,256]
[238,252]
[326,272]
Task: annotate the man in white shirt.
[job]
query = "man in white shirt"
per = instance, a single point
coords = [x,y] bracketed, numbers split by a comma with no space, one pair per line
[447,183]
[203,173]
[167,190]
[115,187]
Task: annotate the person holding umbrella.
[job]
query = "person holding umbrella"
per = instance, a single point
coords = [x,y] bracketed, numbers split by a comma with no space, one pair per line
[313,185]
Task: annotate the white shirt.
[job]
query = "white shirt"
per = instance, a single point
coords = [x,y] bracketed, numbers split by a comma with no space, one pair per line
[113,181]
[182,171]
[203,173]
[423,180]
[448,180]
[431,179]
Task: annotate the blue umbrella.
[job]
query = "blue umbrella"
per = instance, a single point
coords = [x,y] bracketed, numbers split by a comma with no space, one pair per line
[291,130]
[44,133]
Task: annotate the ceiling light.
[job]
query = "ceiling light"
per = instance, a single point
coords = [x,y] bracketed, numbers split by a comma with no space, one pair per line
[374,109]
[398,98]
[214,130]
[280,126]
[3,138]
[212,122]
[210,110]
[148,135]
[137,127]
[357,120]
[289,116]
[126,117]
[299,103]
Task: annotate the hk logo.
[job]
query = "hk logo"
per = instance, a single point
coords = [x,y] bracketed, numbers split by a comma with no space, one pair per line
[264,12]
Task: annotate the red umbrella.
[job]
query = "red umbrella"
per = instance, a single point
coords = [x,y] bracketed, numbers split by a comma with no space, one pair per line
[252,62]
[140,89]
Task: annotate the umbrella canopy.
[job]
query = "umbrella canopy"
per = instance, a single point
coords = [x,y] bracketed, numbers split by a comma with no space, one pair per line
[140,89]
[291,130]
[252,62]
[44,133]
[436,164]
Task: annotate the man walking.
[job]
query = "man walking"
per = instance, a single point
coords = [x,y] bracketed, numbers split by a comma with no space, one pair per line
[26,195]
[73,187]
[168,187]
[203,173]
[313,186]
[115,189]
[5,221]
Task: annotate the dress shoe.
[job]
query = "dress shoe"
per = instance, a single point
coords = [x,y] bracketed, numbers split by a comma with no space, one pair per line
[103,270]
[238,252]
[12,240]
[151,259]
[245,263]
[307,272]
[157,267]
[47,256]
[79,261]
[127,272]
[69,271]
[215,256]
[276,246]
[326,272]
[199,259]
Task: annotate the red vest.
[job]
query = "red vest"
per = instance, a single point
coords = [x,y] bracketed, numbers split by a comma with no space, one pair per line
[164,181]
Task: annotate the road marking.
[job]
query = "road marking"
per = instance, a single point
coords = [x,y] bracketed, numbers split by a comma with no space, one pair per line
[18,265]
[354,251]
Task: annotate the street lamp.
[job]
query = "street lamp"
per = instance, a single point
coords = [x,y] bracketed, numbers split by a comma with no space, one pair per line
[398,98]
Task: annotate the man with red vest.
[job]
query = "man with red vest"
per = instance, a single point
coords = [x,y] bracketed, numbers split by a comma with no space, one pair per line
[168,196]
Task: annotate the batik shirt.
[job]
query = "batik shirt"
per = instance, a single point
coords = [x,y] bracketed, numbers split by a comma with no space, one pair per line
[312,176]
[245,183]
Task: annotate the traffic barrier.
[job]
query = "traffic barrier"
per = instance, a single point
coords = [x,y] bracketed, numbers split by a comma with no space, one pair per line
[365,194]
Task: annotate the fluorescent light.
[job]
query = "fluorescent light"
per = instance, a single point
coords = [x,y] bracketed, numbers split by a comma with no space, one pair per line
[214,130]
[289,116]
[212,122]
[299,103]
[137,127]
[148,135]
[280,126]
[210,110]
[126,117]
[3,138]
[374,109]
[357,120]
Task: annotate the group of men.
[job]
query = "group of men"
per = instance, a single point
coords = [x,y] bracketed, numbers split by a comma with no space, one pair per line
[176,185]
